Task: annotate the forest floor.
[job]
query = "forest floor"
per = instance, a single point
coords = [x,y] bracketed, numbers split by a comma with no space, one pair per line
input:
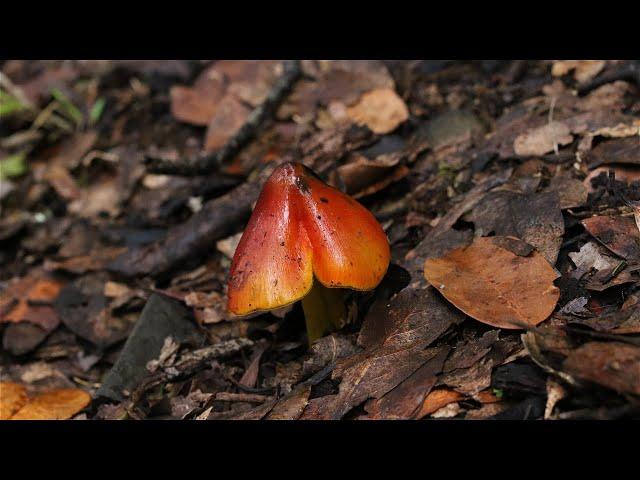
[509,192]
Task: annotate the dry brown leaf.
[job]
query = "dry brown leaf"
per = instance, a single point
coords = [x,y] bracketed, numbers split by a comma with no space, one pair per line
[541,140]
[614,365]
[583,70]
[436,400]
[12,398]
[619,151]
[226,121]
[59,404]
[494,285]
[28,297]
[197,104]
[115,290]
[618,234]
[382,110]
[365,177]
[62,181]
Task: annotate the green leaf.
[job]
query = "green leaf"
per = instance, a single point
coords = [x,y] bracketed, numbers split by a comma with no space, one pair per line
[96,110]
[67,107]
[13,166]
[10,104]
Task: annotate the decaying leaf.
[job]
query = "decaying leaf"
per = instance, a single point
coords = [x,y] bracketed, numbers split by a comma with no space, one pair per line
[535,218]
[59,404]
[12,398]
[229,116]
[412,316]
[198,104]
[381,110]
[541,140]
[614,365]
[373,374]
[291,406]
[583,70]
[618,234]
[403,401]
[494,285]
[436,400]
[624,151]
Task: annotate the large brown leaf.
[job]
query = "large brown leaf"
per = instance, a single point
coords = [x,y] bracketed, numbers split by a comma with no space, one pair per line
[495,285]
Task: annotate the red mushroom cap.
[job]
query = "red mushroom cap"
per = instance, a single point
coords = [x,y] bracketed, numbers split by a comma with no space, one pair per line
[300,227]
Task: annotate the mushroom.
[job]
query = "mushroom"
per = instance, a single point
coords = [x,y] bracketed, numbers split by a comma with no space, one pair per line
[306,241]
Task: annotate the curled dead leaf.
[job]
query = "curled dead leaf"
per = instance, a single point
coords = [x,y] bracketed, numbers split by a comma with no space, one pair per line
[494,285]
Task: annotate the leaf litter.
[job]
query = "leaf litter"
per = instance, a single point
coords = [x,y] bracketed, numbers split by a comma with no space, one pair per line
[509,207]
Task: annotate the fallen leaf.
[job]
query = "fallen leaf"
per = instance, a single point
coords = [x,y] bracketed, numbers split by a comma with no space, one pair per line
[319,408]
[365,177]
[27,306]
[115,290]
[436,400]
[250,376]
[495,286]
[374,373]
[328,349]
[618,234]
[197,105]
[21,338]
[583,70]
[12,398]
[433,245]
[290,407]
[85,310]
[403,401]
[63,183]
[571,191]
[535,218]
[449,128]
[229,116]
[412,316]
[60,404]
[614,365]
[470,380]
[382,110]
[541,140]
[619,151]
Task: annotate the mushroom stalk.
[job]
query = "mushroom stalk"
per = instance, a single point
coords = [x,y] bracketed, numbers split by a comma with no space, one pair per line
[324,310]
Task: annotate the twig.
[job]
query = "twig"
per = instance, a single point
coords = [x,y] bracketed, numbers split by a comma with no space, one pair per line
[190,364]
[204,164]
[241,397]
